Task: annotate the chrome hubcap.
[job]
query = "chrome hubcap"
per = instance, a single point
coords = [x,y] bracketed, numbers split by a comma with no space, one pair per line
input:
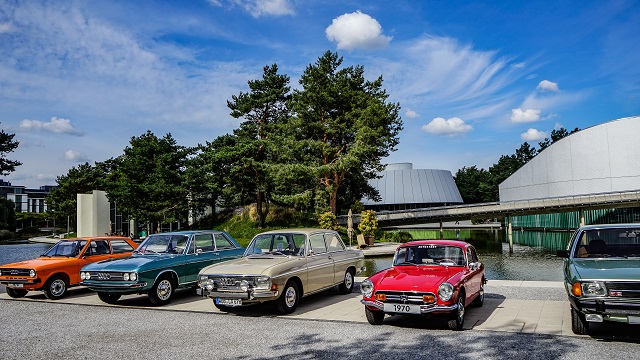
[57,287]
[164,289]
[290,297]
[460,308]
[348,280]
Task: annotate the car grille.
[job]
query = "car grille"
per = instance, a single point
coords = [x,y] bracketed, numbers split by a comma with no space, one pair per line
[15,272]
[231,282]
[405,297]
[629,290]
[106,276]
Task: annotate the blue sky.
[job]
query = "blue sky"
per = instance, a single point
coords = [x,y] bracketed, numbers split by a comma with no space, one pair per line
[475,79]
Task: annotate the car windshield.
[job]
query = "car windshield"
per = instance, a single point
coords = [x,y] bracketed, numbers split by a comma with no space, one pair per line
[276,244]
[430,254]
[163,243]
[606,243]
[66,248]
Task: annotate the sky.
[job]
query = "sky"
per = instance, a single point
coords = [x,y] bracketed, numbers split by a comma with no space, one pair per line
[474,79]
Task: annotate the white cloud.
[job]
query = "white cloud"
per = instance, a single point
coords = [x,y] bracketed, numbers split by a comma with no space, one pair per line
[258,8]
[55,125]
[546,85]
[6,28]
[557,126]
[523,116]
[411,114]
[451,127]
[533,135]
[75,156]
[357,31]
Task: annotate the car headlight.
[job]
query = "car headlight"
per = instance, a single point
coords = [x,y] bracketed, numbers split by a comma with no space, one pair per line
[202,280]
[263,283]
[82,276]
[32,273]
[366,288]
[244,285]
[125,276]
[445,291]
[133,276]
[592,289]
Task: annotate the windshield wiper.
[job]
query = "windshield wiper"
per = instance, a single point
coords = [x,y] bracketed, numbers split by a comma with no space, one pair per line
[406,263]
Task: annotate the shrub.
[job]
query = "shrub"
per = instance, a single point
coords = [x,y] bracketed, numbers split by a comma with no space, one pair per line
[368,223]
[327,220]
[6,235]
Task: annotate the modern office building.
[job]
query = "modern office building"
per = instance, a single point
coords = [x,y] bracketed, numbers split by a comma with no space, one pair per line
[25,199]
[403,187]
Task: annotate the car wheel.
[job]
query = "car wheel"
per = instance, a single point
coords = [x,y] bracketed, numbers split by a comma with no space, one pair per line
[162,291]
[479,300]
[288,301]
[579,324]
[16,293]
[374,317]
[109,298]
[457,321]
[346,287]
[56,288]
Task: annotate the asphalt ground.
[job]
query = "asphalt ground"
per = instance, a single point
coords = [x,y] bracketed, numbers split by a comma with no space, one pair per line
[50,330]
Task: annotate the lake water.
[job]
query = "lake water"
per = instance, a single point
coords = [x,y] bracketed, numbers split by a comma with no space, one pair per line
[536,262]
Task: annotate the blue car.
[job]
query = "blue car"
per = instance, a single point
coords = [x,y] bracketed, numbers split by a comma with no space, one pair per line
[160,265]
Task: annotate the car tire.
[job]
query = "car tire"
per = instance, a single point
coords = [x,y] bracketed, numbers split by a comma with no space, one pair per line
[374,317]
[109,298]
[579,324]
[288,301]
[346,287]
[16,293]
[479,300]
[457,321]
[162,291]
[56,287]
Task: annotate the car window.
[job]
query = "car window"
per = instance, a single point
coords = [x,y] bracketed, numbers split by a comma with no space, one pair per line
[99,247]
[430,254]
[204,242]
[299,243]
[120,246]
[222,243]
[317,244]
[610,242]
[335,243]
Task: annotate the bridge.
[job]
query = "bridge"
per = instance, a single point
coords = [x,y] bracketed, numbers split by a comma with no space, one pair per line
[507,209]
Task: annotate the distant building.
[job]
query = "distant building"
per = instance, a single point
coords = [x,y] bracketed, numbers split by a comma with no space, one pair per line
[26,200]
[402,187]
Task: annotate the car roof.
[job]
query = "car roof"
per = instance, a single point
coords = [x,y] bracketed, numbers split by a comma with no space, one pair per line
[611,226]
[95,238]
[445,242]
[299,230]
[187,232]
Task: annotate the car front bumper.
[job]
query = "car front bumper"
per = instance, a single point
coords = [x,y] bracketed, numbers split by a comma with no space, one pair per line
[606,309]
[249,295]
[116,287]
[424,309]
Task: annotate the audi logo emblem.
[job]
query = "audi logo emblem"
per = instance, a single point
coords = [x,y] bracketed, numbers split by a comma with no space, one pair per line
[404,298]
[14,272]
[104,276]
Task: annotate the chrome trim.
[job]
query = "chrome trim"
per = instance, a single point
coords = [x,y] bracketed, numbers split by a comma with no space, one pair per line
[164,272]
[424,309]
[249,295]
[113,286]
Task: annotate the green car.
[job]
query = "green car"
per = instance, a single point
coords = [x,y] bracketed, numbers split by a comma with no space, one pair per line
[602,275]
[160,265]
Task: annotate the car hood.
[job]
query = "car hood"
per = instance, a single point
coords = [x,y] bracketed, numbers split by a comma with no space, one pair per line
[416,278]
[255,265]
[608,269]
[40,263]
[126,264]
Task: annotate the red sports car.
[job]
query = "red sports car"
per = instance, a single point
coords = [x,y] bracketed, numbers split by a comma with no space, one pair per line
[428,276]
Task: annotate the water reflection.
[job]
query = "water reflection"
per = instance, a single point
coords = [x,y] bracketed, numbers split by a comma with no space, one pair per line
[536,262]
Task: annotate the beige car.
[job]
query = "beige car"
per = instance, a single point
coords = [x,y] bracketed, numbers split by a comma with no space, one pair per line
[282,266]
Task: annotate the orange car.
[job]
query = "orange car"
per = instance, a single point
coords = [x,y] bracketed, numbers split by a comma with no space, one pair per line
[59,268]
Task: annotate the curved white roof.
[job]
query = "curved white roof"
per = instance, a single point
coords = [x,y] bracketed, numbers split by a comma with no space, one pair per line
[401,184]
[599,159]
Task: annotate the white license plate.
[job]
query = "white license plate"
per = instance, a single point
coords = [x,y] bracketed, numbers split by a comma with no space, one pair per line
[402,308]
[633,319]
[229,302]
[15,285]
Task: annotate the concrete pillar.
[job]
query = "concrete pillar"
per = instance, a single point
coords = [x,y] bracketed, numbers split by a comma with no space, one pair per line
[582,217]
[510,235]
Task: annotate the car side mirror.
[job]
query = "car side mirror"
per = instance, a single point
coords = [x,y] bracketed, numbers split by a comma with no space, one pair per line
[473,266]
[562,254]
[198,251]
[310,252]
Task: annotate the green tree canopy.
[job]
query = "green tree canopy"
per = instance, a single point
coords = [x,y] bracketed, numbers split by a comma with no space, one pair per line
[343,126]
[83,179]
